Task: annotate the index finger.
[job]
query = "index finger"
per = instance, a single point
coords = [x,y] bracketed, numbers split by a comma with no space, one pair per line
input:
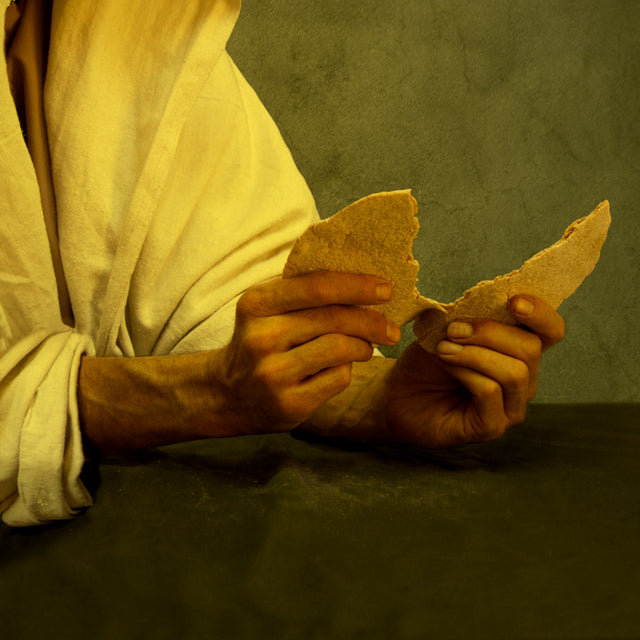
[310,290]
[538,316]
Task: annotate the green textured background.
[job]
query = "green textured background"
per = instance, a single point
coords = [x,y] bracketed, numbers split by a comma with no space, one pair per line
[507,119]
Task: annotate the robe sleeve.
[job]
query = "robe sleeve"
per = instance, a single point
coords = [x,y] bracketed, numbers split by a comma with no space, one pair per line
[41,452]
[174,193]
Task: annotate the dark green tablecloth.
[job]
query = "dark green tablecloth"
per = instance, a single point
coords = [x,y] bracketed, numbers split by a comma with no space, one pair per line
[534,536]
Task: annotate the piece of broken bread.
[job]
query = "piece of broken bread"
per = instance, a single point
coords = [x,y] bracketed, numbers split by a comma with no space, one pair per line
[552,275]
[372,236]
[375,235]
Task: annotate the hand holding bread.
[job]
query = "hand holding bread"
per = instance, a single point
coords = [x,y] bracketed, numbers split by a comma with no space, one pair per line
[475,364]
[375,234]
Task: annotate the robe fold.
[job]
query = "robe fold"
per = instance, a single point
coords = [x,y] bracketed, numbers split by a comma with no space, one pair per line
[174,193]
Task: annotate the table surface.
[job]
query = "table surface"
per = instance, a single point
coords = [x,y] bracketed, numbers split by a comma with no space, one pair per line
[536,535]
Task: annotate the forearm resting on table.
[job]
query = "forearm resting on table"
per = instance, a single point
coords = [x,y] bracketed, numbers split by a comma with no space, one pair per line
[128,404]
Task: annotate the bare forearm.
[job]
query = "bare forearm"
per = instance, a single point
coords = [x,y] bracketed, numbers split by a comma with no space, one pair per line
[127,404]
[292,348]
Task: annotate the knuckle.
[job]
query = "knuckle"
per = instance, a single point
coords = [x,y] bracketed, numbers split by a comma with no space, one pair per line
[342,378]
[342,347]
[252,342]
[253,301]
[519,376]
[490,388]
[258,342]
[532,347]
[322,287]
[334,316]
[263,377]
[364,351]
[269,374]
[553,330]
[357,323]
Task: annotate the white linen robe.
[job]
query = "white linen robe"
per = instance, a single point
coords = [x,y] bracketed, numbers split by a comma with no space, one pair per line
[174,193]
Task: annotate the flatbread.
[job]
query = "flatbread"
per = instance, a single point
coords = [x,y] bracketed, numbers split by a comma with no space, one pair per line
[375,236]
[551,275]
[372,236]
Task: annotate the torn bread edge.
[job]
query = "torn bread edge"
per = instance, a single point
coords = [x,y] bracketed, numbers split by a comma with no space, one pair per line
[373,236]
[552,275]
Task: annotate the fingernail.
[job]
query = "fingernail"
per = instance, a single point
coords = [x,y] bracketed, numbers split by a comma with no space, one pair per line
[393,333]
[384,292]
[460,330]
[524,307]
[449,348]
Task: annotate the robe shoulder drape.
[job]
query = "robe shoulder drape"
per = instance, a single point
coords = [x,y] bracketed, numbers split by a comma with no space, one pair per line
[174,192]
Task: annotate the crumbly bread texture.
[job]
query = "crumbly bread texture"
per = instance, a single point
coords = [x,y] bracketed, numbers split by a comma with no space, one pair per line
[372,236]
[375,236]
[552,275]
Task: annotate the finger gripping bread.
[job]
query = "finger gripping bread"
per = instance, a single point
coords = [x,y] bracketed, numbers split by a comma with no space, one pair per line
[552,275]
[372,236]
[375,236]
